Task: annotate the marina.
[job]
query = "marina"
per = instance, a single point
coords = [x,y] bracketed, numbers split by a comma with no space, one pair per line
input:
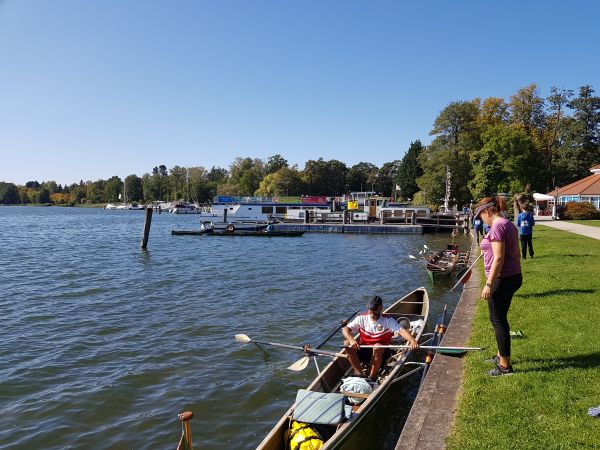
[319,214]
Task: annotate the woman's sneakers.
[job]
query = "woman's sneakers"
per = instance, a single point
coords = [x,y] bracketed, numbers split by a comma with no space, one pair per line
[501,370]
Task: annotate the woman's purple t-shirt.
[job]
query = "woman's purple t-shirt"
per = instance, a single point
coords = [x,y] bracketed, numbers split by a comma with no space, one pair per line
[502,230]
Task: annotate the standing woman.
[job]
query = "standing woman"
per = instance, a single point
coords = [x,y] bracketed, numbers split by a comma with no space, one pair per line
[501,258]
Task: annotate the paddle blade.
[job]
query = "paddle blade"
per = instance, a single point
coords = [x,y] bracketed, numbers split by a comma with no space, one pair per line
[242,338]
[457,353]
[464,275]
[300,364]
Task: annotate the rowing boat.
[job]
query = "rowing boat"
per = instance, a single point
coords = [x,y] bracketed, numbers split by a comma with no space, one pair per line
[444,263]
[415,308]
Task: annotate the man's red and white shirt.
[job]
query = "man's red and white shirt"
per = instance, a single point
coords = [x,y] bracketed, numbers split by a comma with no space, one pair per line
[374,332]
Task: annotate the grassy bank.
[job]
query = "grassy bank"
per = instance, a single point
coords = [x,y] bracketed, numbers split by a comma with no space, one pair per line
[557,364]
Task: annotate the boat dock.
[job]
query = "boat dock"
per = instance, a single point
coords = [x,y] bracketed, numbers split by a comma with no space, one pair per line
[387,223]
[409,224]
[350,228]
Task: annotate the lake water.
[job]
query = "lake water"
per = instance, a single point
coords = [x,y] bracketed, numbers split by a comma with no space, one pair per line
[103,344]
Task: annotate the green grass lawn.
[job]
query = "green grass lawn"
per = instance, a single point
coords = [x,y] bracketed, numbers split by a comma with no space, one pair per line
[592,223]
[544,404]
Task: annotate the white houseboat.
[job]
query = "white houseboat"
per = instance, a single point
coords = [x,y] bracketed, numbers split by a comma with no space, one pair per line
[227,209]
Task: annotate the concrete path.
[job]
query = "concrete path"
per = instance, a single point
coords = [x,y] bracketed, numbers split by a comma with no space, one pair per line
[584,230]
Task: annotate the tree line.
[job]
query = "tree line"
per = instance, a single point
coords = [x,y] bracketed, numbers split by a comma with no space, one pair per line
[524,144]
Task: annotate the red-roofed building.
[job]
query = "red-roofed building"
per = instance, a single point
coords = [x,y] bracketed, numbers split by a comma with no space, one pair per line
[585,190]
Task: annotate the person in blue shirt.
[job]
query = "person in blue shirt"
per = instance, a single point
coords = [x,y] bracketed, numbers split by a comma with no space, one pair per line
[525,222]
[486,228]
[478,227]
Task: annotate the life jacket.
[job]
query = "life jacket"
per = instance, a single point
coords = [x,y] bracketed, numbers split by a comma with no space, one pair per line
[303,437]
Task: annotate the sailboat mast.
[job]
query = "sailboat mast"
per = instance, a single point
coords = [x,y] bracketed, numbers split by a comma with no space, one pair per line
[448,189]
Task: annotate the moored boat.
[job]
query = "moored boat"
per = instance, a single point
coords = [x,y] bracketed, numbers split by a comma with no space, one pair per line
[184,208]
[442,264]
[413,308]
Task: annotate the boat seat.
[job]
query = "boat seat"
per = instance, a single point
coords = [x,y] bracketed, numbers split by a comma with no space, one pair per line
[319,407]
[354,394]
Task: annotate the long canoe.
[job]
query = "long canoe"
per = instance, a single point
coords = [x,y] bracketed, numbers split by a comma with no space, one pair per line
[415,308]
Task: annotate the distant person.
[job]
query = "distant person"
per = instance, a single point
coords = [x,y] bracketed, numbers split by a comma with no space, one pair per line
[374,328]
[486,228]
[525,222]
[501,259]
[477,227]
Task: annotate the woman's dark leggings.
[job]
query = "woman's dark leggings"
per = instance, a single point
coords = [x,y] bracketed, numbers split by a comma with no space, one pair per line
[498,305]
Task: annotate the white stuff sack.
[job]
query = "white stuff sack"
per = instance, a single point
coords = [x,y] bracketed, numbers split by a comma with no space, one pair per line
[356,385]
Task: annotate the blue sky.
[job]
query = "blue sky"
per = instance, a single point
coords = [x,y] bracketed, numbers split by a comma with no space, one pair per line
[92,89]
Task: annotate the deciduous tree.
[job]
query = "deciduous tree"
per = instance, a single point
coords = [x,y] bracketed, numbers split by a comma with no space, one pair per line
[9,195]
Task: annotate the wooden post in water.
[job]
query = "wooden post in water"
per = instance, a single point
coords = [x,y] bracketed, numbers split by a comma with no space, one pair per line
[147,222]
[186,431]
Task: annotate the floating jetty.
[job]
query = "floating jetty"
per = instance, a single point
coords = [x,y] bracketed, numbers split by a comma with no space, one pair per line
[350,228]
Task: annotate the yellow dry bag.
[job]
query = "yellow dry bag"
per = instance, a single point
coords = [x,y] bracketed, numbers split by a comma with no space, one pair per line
[303,437]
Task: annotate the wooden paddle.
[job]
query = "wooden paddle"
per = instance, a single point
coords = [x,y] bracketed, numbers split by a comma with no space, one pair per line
[306,348]
[464,275]
[426,347]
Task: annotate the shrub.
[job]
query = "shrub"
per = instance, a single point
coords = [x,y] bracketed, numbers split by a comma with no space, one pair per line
[581,211]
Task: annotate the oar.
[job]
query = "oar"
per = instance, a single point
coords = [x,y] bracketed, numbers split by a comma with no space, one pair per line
[426,347]
[343,323]
[306,349]
[465,274]
[302,363]
[426,261]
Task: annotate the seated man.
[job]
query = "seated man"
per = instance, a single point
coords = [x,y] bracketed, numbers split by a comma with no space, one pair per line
[374,328]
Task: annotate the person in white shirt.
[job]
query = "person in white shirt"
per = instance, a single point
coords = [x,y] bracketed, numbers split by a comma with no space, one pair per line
[373,328]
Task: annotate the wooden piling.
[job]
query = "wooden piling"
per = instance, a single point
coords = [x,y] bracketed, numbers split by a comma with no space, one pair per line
[147,223]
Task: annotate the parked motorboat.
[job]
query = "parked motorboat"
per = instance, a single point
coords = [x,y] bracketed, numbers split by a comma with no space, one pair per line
[184,208]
